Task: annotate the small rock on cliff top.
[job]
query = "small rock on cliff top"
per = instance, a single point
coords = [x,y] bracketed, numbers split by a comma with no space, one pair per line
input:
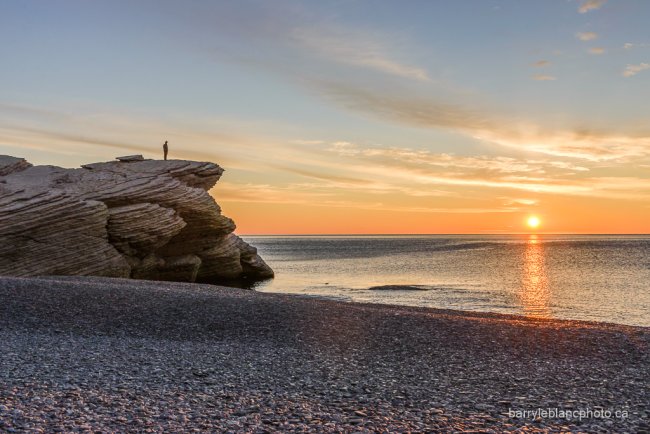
[146,219]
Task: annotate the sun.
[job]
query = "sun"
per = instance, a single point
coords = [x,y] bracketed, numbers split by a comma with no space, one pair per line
[533,222]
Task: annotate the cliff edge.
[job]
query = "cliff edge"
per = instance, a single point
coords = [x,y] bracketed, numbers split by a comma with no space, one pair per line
[144,219]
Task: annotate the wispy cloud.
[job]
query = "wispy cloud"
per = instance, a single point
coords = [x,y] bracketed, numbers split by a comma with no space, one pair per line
[375,177]
[490,127]
[544,77]
[306,142]
[427,163]
[450,210]
[423,168]
[567,165]
[409,109]
[294,40]
[630,45]
[268,193]
[484,164]
[519,183]
[356,48]
[586,36]
[596,50]
[631,70]
[427,168]
[343,180]
[594,147]
[90,133]
[541,63]
[323,196]
[590,5]
[519,201]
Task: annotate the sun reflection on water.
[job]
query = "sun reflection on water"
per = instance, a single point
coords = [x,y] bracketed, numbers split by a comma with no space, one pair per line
[534,294]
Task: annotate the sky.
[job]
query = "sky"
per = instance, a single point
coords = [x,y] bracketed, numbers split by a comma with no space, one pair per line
[350,116]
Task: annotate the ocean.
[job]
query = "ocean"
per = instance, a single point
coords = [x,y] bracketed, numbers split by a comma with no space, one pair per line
[586,277]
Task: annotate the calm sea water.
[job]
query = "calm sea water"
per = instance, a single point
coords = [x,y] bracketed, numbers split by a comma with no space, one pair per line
[594,277]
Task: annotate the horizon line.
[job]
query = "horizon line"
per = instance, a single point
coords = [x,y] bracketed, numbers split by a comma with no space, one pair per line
[440,233]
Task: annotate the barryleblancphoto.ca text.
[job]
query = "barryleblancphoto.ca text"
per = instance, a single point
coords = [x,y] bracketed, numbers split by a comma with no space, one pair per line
[569,414]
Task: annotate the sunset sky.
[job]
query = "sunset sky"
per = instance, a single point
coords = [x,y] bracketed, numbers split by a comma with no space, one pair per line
[350,116]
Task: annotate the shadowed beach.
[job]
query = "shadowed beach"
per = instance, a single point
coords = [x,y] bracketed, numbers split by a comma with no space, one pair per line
[124,355]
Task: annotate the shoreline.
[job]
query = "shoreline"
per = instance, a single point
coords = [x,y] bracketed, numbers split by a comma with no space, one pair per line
[87,353]
[479,314]
[464,314]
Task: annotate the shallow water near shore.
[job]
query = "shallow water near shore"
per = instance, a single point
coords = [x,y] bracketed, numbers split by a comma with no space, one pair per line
[586,277]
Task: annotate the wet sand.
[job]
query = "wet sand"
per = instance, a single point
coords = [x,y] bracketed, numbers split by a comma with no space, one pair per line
[123,355]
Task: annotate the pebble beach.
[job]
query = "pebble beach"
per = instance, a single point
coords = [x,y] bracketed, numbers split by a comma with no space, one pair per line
[80,354]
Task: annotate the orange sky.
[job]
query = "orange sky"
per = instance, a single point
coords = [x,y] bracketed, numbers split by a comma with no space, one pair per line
[559,216]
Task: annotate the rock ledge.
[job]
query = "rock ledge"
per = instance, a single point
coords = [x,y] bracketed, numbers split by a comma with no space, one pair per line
[145,219]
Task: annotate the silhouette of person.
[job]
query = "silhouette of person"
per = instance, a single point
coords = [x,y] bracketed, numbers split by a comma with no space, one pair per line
[165,149]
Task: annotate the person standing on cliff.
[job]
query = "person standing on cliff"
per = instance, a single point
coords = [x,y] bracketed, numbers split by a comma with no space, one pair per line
[165,149]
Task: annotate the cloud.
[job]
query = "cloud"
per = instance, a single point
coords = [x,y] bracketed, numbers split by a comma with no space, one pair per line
[344,174]
[497,165]
[519,201]
[590,5]
[630,45]
[449,210]
[584,145]
[411,172]
[597,50]
[518,183]
[601,187]
[408,109]
[319,195]
[354,47]
[567,165]
[631,70]
[586,36]
[293,39]
[268,193]
[489,126]
[624,187]
[342,180]
[544,77]
[306,142]
[89,133]
[541,63]
[422,168]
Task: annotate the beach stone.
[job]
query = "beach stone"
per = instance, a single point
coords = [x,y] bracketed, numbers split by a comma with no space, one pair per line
[147,220]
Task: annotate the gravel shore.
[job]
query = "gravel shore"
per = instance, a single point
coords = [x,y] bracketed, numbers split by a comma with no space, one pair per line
[94,354]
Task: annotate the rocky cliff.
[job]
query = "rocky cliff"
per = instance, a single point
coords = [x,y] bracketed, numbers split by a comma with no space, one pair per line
[145,219]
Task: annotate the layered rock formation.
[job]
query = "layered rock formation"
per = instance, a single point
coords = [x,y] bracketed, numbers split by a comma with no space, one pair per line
[145,219]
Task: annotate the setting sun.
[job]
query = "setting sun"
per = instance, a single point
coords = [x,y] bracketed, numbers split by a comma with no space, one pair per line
[533,222]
